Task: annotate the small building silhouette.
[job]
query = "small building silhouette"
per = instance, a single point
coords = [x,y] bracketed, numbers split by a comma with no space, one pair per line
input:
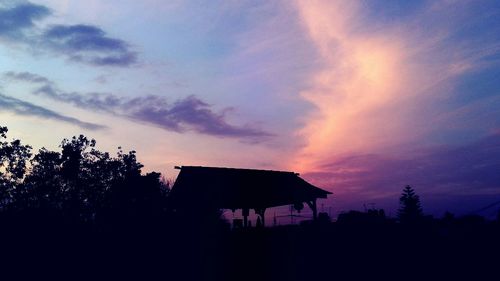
[210,188]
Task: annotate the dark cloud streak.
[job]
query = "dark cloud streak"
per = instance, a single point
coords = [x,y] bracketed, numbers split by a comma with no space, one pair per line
[94,101]
[88,44]
[16,19]
[24,108]
[26,77]
[187,114]
[82,43]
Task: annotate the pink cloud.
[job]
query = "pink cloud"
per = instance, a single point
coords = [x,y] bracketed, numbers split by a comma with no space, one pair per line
[378,84]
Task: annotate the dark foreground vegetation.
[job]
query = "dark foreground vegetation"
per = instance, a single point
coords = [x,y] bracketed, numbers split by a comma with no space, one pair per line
[81,213]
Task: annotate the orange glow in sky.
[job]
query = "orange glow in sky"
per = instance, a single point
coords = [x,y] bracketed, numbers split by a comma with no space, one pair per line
[361,72]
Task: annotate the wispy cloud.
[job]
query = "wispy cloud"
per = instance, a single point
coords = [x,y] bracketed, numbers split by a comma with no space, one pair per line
[402,96]
[27,77]
[380,85]
[187,114]
[24,108]
[465,168]
[443,175]
[82,43]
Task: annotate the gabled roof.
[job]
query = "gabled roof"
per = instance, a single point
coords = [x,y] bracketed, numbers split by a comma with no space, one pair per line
[230,188]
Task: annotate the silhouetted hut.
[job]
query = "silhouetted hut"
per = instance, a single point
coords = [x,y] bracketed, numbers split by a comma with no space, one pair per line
[204,188]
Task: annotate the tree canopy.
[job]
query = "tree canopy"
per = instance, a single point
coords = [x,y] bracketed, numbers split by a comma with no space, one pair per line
[410,209]
[78,182]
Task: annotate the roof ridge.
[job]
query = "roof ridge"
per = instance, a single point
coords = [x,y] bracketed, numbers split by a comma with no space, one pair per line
[231,168]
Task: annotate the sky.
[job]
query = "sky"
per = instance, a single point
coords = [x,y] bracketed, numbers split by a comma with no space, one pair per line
[359,97]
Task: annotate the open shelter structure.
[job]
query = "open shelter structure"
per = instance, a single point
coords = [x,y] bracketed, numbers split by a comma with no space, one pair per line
[209,188]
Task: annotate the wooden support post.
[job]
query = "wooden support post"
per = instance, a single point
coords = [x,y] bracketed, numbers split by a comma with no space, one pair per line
[315,210]
[261,212]
[245,212]
[312,205]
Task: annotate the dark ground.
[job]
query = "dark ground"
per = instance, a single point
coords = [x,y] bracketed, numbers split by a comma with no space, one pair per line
[323,251]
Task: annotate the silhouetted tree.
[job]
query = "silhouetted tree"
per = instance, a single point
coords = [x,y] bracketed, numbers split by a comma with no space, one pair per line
[43,186]
[410,209]
[14,157]
[135,199]
[79,183]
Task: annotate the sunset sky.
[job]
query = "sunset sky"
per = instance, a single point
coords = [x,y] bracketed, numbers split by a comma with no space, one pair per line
[359,97]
